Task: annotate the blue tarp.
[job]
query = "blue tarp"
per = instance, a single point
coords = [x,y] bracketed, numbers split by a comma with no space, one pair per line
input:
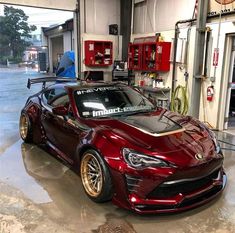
[66,67]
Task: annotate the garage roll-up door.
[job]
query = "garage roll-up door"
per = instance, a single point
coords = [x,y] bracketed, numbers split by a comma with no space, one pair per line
[69,5]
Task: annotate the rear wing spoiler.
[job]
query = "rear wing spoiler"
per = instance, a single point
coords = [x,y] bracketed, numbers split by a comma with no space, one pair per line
[48,79]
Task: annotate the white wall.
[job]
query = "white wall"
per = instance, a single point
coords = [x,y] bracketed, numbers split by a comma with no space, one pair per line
[96,16]
[161,15]
[99,14]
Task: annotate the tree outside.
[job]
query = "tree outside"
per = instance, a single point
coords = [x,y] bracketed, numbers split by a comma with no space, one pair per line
[15,33]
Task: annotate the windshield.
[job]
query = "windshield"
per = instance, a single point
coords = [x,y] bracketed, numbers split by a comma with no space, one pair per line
[110,101]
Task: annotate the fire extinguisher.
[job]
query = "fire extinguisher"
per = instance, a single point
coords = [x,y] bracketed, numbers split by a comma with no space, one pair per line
[210,93]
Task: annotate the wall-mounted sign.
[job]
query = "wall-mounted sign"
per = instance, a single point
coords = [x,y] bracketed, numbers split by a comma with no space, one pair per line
[113,29]
[215,7]
[224,2]
[216,57]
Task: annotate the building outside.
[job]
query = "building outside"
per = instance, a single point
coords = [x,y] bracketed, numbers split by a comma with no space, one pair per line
[57,39]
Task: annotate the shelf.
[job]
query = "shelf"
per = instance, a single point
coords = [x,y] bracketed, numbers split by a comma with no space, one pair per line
[155,89]
[98,53]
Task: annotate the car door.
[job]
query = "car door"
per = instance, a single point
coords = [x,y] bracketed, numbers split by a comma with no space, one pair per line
[62,134]
[47,116]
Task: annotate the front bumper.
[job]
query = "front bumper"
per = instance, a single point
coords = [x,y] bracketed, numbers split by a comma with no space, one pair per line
[170,199]
[180,202]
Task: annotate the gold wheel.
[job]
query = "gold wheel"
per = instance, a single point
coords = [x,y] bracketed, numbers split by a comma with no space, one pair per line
[92,175]
[24,126]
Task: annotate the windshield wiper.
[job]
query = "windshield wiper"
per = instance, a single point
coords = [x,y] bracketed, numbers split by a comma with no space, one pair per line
[138,112]
[101,117]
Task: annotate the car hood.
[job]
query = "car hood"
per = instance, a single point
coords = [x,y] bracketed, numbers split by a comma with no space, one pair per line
[161,133]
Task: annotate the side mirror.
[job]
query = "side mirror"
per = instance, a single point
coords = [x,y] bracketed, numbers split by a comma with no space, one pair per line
[152,99]
[59,71]
[60,111]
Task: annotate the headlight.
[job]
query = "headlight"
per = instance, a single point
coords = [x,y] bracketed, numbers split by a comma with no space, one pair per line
[140,161]
[217,146]
[215,140]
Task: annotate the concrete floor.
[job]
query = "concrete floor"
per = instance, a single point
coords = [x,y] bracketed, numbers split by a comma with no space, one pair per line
[39,194]
[230,130]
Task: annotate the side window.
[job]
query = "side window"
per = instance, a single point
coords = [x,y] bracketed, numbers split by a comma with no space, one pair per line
[46,96]
[52,94]
[61,100]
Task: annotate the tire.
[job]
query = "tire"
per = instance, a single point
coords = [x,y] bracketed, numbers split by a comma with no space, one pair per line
[25,126]
[95,175]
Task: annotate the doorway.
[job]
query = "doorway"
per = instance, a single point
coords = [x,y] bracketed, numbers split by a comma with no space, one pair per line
[57,51]
[230,103]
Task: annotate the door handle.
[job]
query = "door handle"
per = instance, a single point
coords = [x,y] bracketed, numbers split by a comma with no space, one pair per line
[43,116]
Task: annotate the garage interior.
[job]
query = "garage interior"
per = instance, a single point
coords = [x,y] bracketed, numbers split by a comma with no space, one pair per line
[194,76]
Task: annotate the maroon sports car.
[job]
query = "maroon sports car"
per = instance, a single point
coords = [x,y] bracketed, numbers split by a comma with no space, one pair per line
[141,157]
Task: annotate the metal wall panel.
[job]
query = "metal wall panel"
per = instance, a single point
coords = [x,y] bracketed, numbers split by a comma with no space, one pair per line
[69,5]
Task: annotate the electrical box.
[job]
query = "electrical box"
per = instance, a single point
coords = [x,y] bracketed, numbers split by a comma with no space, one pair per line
[147,54]
[98,53]
[113,29]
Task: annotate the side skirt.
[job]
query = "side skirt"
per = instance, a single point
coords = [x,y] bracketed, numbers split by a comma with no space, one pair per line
[60,154]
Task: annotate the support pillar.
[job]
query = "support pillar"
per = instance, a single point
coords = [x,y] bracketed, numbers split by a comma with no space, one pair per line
[198,59]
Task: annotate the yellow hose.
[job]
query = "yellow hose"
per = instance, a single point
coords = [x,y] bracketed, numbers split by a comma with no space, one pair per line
[179,100]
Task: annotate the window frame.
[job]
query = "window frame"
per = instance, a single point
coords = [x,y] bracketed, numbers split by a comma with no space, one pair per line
[46,102]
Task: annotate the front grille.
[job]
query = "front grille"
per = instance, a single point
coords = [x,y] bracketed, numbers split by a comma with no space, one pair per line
[187,202]
[201,197]
[132,182]
[166,190]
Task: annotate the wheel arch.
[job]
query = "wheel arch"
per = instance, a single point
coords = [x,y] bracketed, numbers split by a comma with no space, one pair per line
[108,192]
[32,110]
[81,151]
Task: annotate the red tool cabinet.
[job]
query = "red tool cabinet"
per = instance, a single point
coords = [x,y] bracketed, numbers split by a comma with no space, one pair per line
[135,57]
[98,53]
[151,55]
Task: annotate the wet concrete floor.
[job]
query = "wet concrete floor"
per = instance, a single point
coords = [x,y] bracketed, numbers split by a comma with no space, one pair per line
[39,194]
